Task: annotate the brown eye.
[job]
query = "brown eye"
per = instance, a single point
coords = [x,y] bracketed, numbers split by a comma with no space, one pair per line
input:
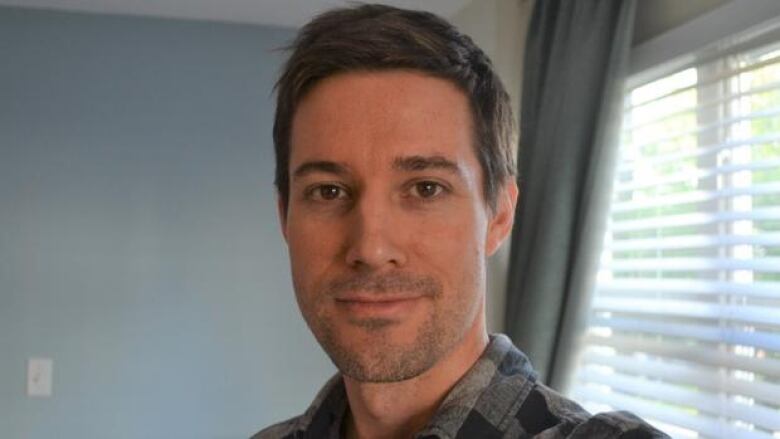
[327,192]
[427,189]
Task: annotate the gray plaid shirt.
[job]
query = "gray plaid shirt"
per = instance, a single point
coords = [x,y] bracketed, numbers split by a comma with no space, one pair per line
[499,397]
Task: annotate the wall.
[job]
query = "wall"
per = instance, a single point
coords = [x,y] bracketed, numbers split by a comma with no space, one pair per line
[654,17]
[499,28]
[138,236]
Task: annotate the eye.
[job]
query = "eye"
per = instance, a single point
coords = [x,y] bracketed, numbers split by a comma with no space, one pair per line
[326,192]
[427,189]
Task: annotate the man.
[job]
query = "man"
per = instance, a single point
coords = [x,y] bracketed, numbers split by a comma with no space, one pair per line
[395,179]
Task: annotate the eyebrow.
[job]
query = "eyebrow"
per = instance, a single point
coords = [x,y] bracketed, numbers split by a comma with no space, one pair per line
[325,166]
[407,164]
[422,163]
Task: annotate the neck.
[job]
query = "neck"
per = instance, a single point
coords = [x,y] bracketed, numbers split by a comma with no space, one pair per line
[400,409]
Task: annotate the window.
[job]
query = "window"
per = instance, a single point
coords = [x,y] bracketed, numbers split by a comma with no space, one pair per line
[684,327]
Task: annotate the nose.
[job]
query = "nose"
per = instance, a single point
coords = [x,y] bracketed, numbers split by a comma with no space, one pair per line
[375,238]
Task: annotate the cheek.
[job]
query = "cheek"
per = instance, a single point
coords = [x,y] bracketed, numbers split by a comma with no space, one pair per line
[310,238]
[313,247]
[454,252]
[454,245]
[308,264]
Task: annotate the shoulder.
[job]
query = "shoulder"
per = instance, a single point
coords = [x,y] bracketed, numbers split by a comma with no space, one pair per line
[546,410]
[621,424]
[318,420]
[282,430]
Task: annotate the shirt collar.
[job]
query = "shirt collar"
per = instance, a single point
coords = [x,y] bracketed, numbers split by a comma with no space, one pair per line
[495,385]
[497,382]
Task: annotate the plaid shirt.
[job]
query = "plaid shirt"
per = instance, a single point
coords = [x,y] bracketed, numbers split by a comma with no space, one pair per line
[499,397]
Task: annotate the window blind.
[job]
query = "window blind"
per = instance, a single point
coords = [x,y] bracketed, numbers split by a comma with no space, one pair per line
[684,326]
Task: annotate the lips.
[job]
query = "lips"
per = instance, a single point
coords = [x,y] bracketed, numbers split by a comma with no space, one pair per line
[376,298]
[388,296]
[377,306]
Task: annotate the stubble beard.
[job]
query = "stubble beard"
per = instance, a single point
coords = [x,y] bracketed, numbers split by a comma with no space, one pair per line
[379,359]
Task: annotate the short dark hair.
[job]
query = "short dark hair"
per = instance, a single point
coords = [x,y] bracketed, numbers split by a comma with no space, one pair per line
[378,37]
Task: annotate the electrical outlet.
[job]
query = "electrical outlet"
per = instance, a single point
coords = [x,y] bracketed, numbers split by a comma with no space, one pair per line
[39,377]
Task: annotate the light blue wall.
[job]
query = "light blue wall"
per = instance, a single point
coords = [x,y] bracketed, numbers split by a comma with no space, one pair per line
[138,238]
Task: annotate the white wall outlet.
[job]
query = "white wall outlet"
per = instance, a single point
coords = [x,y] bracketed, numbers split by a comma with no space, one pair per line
[39,377]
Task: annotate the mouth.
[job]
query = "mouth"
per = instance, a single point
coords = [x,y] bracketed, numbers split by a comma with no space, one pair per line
[377,307]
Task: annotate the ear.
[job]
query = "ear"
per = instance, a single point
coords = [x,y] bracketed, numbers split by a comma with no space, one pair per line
[501,220]
[281,211]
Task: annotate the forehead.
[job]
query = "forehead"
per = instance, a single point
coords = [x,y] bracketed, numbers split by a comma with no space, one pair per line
[382,115]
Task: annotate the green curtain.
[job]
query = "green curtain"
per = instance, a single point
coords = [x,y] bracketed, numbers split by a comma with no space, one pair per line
[575,64]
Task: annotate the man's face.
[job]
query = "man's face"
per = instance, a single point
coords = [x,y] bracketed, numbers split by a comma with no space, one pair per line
[386,224]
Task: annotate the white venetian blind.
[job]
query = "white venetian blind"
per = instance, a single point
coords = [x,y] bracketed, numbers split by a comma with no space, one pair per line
[684,328]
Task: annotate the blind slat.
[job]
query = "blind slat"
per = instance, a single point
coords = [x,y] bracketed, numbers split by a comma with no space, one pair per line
[697,219]
[693,241]
[703,401]
[702,128]
[687,351]
[693,175]
[644,285]
[696,196]
[687,308]
[691,331]
[709,426]
[711,80]
[701,151]
[707,104]
[769,265]
[713,379]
